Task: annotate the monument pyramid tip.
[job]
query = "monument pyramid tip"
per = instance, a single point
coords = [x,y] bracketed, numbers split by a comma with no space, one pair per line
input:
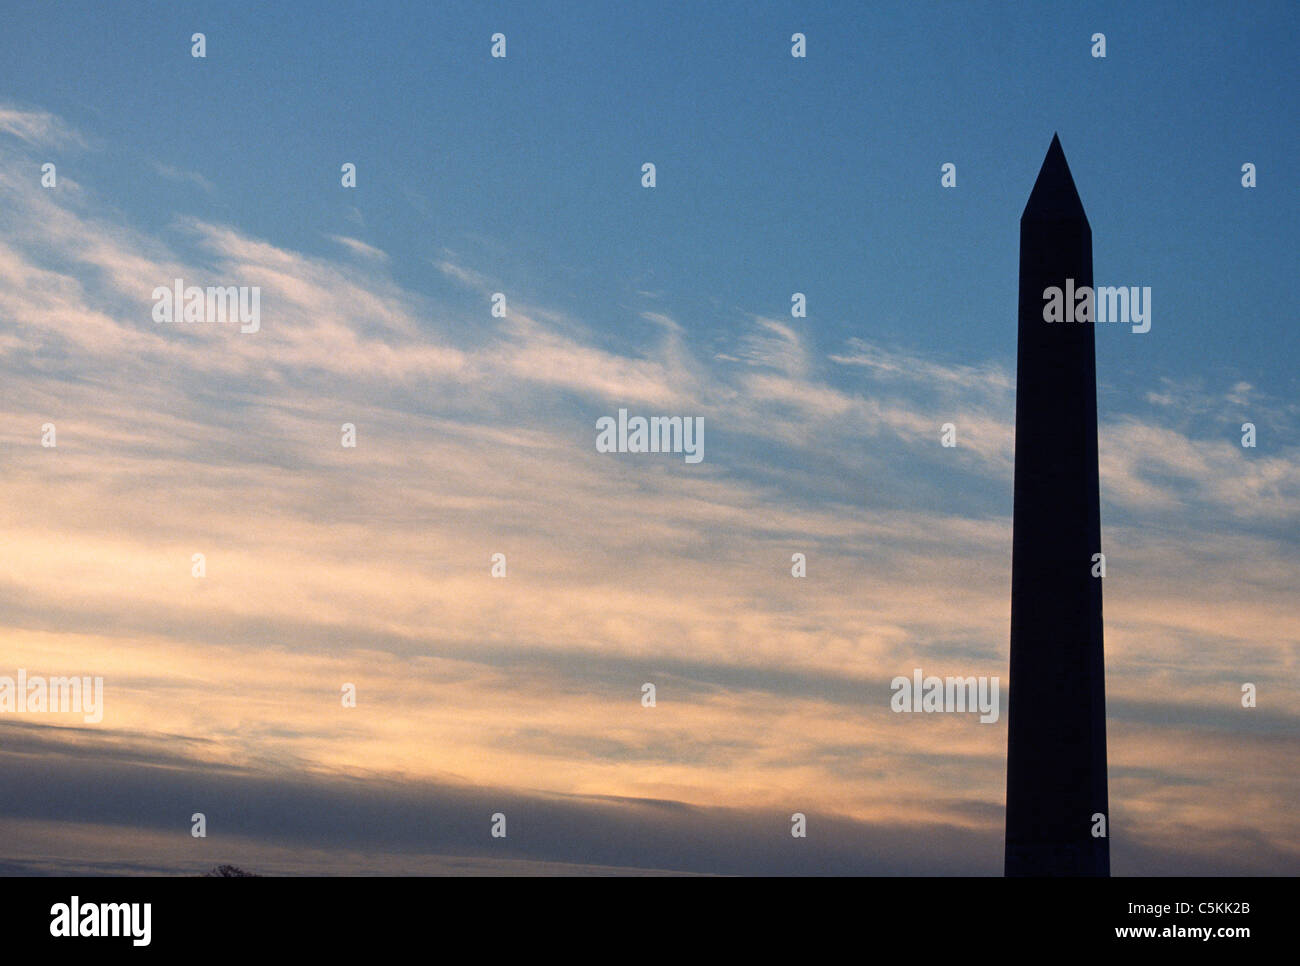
[1054,197]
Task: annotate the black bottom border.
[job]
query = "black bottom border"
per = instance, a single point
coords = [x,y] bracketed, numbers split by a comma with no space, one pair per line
[616,916]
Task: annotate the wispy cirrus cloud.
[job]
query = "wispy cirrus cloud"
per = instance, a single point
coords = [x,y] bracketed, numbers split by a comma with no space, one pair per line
[172,173]
[329,565]
[38,128]
[358,247]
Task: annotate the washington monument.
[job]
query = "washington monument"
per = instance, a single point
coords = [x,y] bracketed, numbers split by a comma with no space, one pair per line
[1057,813]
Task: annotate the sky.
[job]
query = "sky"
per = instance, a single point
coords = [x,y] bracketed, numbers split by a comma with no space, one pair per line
[522,175]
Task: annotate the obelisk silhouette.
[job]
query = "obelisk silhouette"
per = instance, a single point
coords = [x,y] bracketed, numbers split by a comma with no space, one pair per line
[1056,712]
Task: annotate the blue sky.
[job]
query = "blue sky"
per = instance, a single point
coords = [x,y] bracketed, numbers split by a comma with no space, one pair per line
[775,175]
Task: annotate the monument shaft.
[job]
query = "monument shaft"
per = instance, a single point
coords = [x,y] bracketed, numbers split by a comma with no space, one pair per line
[1056,715]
